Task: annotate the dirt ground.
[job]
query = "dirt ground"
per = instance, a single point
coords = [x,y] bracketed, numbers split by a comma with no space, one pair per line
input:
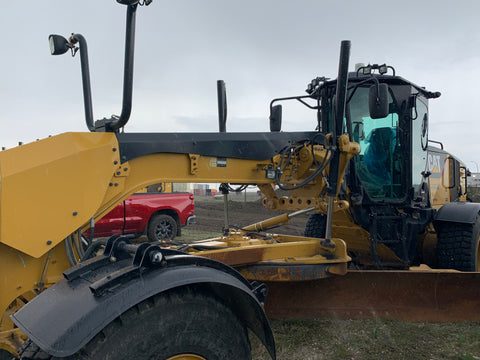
[211,219]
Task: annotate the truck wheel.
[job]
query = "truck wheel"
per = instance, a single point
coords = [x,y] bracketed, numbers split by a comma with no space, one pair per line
[180,324]
[162,227]
[316,226]
[458,246]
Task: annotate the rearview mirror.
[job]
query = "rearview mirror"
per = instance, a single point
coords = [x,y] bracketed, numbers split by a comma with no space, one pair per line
[378,101]
[276,118]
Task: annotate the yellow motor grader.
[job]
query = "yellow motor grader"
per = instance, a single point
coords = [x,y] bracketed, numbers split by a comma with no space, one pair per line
[380,198]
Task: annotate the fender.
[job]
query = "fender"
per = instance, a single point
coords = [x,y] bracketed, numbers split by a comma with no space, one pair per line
[62,319]
[459,211]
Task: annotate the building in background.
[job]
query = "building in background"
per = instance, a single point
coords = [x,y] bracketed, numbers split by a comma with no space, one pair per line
[474,180]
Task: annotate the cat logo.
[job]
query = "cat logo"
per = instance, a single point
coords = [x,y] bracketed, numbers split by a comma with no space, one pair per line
[434,163]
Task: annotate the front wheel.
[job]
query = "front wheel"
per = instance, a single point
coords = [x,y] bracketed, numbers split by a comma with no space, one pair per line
[181,324]
[316,226]
[458,246]
[162,227]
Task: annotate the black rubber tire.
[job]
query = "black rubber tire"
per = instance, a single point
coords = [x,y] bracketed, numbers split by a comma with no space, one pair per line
[181,321]
[5,355]
[161,227]
[316,226]
[458,246]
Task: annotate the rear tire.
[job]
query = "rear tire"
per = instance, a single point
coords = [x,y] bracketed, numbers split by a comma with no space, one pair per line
[458,246]
[184,323]
[316,226]
[162,227]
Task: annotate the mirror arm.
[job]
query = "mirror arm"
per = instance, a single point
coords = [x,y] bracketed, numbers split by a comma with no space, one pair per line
[298,98]
[87,92]
[118,123]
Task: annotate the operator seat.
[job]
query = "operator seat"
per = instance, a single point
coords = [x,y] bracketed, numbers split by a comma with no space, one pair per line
[378,155]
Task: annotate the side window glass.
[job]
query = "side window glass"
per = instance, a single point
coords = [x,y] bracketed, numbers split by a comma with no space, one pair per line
[419,143]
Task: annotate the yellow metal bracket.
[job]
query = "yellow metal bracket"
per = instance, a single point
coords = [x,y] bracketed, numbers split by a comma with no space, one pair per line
[122,170]
[194,159]
[294,203]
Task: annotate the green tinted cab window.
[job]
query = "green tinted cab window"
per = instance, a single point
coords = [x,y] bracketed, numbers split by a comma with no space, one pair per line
[378,164]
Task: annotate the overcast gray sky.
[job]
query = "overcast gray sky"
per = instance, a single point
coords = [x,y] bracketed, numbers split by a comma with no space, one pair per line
[261,48]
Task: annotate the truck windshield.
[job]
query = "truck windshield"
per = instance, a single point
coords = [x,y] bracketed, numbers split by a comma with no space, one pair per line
[379,164]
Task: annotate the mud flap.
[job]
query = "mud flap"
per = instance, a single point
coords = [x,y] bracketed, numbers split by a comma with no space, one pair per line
[62,319]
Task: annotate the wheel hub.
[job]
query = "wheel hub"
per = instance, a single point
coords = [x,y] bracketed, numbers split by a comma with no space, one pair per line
[186,357]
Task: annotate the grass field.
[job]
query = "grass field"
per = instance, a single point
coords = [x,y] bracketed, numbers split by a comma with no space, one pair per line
[316,339]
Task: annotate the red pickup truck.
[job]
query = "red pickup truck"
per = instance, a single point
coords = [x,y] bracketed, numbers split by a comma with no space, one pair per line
[158,215]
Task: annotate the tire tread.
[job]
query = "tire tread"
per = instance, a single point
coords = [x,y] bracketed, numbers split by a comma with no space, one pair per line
[192,299]
[457,246]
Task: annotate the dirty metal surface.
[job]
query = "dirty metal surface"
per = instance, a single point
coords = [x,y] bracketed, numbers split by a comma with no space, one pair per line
[431,296]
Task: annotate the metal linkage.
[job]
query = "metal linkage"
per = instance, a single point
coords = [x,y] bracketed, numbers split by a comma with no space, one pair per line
[145,256]
[110,254]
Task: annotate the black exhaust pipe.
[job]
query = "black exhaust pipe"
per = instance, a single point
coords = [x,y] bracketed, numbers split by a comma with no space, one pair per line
[222,106]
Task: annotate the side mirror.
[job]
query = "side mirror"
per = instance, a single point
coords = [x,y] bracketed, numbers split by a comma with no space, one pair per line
[378,101]
[58,44]
[276,118]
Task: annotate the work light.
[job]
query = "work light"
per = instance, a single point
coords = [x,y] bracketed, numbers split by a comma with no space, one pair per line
[58,44]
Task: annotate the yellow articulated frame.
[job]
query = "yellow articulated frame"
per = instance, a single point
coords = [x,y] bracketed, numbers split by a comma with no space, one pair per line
[164,167]
[79,176]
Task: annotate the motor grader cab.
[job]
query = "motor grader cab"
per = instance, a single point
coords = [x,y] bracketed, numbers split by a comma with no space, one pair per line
[112,299]
[405,195]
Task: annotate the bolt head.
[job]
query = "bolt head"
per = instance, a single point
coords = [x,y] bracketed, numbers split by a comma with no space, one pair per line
[156,257]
